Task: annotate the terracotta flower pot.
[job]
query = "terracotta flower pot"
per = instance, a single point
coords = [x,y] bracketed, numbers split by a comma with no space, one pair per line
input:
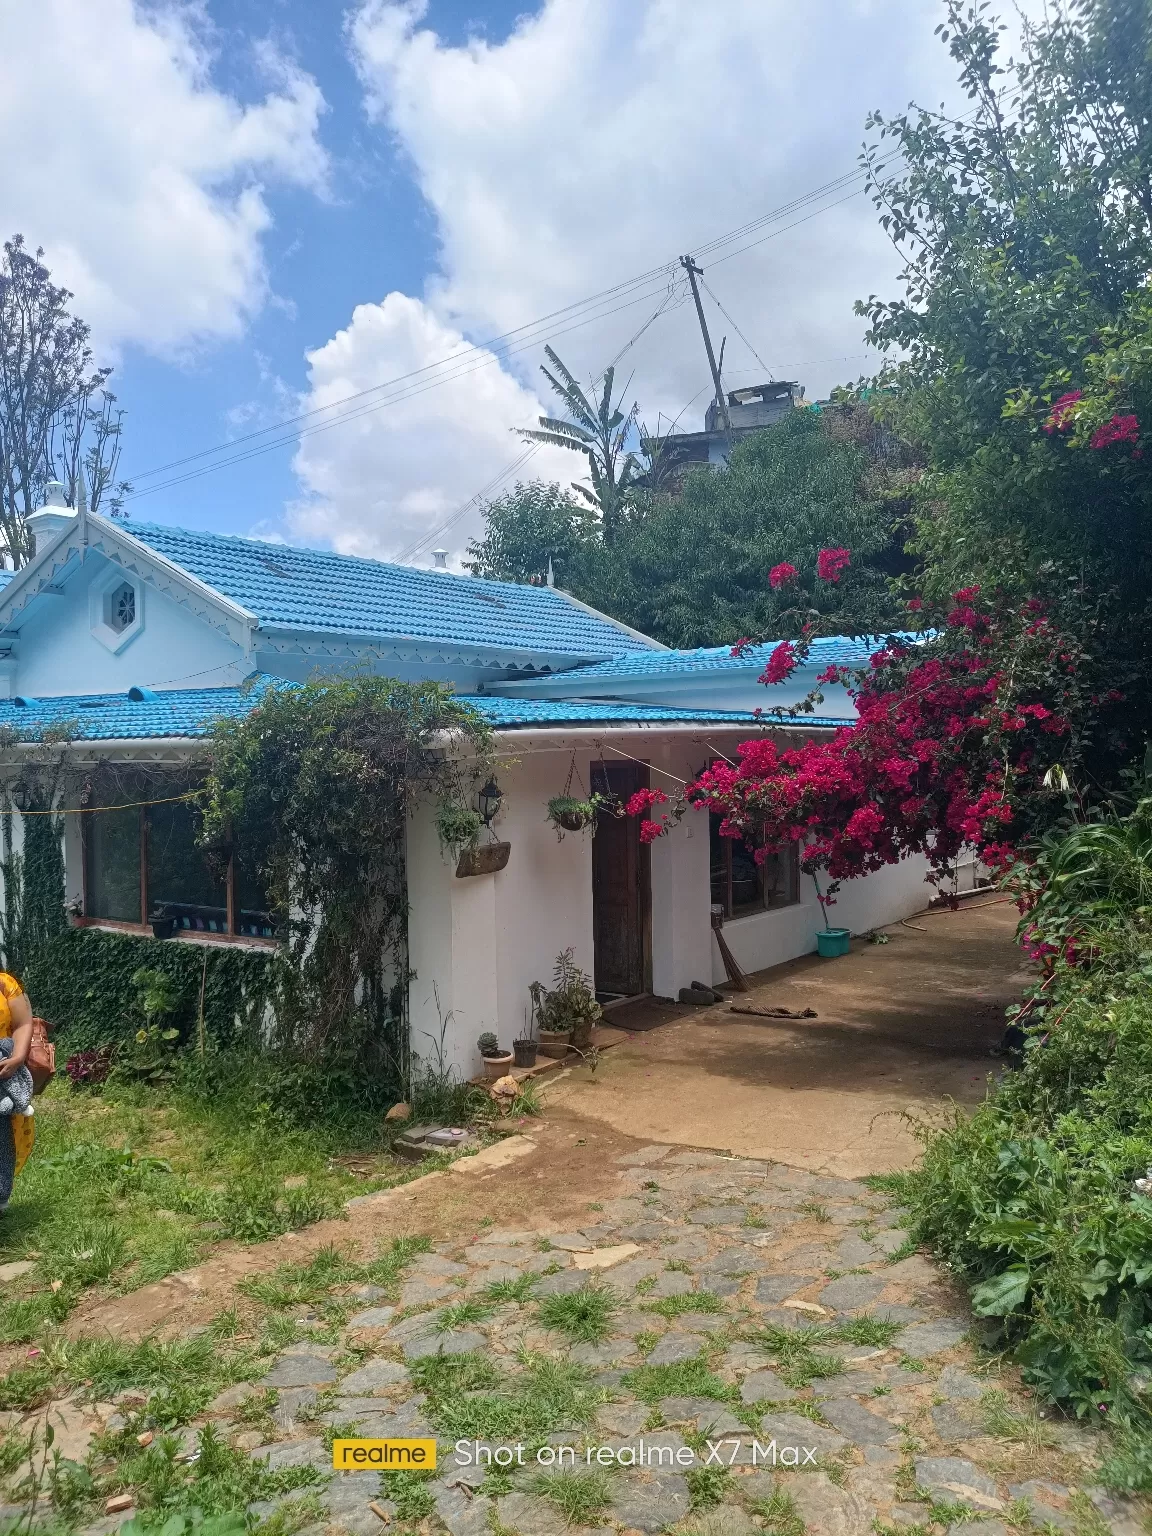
[554,1043]
[496,1067]
[582,1034]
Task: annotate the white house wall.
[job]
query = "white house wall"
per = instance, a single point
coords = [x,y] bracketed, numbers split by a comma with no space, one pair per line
[57,653]
[478,943]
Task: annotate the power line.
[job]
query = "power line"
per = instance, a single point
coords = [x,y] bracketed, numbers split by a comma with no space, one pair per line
[482,495]
[736,328]
[510,342]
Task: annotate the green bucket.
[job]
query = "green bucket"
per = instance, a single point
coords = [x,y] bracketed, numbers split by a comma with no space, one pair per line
[832,941]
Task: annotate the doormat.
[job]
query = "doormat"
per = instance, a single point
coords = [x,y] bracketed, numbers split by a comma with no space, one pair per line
[639,1017]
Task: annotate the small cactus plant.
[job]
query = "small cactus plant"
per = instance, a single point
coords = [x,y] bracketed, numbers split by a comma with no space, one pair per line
[488,1044]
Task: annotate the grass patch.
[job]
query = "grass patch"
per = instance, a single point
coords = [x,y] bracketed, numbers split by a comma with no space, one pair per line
[780,1515]
[707,1486]
[580,1496]
[583,1316]
[468,1400]
[410,1493]
[690,1301]
[519,1290]
[131,1183]
[687,1378]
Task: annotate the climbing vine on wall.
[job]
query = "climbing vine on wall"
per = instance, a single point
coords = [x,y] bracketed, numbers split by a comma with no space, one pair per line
[33,873]
[317,785]
[82,979]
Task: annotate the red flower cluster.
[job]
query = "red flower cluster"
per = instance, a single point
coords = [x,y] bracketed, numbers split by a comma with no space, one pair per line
[1117,429]
[1061,417]
[640,804]
[780,575]
[830,563]
[781,664]
[950,738]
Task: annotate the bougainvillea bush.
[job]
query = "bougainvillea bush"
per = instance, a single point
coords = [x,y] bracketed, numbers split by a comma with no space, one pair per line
[969,731]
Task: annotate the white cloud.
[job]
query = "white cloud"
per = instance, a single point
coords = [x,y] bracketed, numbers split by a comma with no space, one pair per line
[599,139]
[376,484]
[139,177]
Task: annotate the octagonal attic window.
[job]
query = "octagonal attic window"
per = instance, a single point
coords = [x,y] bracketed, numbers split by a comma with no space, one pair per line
[121,607]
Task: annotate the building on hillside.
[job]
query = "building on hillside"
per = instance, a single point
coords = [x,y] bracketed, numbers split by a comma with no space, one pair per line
[750,409]
[140,635]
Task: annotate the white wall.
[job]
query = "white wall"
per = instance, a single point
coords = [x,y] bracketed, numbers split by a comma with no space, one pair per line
[58,654]
[769,938]
[479,942]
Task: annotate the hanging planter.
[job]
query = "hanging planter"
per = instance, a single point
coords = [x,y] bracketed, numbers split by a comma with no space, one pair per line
[575,813]
[483,859]
[568,814]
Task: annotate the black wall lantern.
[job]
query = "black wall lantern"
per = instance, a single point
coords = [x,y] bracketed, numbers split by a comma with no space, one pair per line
[489,801]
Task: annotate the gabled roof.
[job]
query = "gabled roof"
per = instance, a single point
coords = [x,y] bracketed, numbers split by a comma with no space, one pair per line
[320,592]
[188,713]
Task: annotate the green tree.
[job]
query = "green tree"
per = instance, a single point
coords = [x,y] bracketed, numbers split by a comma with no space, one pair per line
[598,429]
[529,526]
[693,568]
[1026,227]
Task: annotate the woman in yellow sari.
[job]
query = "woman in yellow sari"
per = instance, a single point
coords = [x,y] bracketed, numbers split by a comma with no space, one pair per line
[15,1130]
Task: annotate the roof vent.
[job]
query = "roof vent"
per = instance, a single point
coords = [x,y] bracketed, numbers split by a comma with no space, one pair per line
[141,695]
[439,559]
[23,703]
[50,520]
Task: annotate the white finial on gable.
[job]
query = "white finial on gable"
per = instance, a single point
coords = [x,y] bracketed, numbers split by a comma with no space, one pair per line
[550,578]
[50,520]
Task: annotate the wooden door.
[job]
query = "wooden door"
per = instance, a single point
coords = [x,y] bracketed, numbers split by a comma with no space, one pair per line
[621,903]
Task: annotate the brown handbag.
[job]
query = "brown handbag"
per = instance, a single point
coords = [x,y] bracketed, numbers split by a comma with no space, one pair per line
[41,1056]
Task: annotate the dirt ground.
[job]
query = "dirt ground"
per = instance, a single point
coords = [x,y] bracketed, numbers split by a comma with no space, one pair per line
[903,1029]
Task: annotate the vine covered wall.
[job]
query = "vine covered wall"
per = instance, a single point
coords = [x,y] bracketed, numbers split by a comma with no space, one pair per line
[80,980]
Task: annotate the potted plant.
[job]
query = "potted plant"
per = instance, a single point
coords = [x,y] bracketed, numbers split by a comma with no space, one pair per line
[565,1012]
[830,942]
[497,1063]
[569,813]
[526,1047]
[459,830]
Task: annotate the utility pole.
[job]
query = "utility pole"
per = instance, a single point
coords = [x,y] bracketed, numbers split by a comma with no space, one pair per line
[694,272]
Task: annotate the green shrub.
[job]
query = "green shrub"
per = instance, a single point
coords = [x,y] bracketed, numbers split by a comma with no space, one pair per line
[1033,1200]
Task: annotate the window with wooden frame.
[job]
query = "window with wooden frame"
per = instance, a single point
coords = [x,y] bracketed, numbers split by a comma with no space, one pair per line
[741,886]
[142,862]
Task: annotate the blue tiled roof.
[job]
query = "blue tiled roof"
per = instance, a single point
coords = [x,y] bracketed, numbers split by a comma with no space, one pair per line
[189,712]
[504,713]
[115,716]
[840,650]
[317,590]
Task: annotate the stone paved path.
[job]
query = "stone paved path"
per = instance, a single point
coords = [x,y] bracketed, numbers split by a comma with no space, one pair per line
[765,1349]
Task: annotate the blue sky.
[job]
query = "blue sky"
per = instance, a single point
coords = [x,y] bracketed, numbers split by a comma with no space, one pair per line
[371,234]
[264,207]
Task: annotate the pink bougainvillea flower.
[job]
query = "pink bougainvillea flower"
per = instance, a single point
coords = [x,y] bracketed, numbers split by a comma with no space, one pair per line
[1062,415]
[780,575]
[643,800]
[1117,429]
[780,664]
[831,562]
[742,645]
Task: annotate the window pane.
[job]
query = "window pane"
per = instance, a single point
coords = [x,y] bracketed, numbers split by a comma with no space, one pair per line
[112,848]
[780,877]
[745,880]
[252,915]
[179,878]
[718,848]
